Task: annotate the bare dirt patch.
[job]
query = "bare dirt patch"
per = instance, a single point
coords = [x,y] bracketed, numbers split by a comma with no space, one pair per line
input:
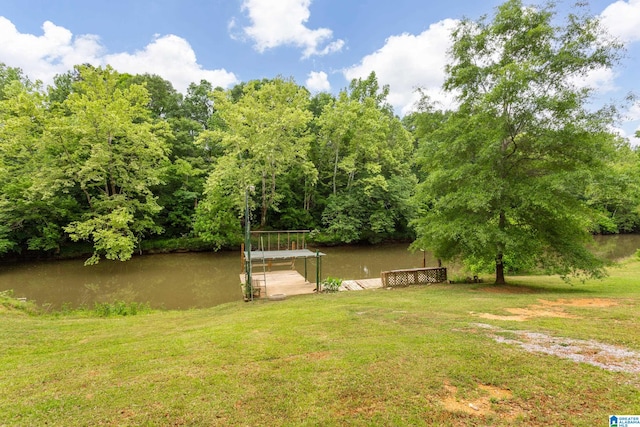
[547,308]
[479,406]
[581,302]
[524,314]
[605,356]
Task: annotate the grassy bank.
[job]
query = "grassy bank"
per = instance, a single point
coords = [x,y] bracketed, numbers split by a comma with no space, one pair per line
[439,355]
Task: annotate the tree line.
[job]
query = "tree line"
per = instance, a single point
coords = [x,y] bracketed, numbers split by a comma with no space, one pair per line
[114,159]
[516,176]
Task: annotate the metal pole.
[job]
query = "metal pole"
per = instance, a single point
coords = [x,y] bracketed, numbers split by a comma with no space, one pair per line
[247,245]
[318,272]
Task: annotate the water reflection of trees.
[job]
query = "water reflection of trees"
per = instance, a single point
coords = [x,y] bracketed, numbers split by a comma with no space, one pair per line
[616,247]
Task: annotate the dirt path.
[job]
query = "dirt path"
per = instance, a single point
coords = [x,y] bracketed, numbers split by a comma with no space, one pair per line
[605,356]
[546,308]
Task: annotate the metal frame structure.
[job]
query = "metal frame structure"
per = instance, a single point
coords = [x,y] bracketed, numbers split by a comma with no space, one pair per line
[294,248]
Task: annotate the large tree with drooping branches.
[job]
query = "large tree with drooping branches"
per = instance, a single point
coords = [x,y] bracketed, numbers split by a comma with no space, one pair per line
[506,171]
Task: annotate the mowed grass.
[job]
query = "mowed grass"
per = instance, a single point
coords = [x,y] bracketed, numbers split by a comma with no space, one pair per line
[412,356]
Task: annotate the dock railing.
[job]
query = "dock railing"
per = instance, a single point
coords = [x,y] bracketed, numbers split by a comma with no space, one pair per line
[277,240]
[414,276]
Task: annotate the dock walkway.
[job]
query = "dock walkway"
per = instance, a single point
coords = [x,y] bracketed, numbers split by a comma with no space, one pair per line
[283,282]
[360,284]
[290,282]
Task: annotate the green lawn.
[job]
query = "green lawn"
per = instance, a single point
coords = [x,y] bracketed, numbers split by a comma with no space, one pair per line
[412,356]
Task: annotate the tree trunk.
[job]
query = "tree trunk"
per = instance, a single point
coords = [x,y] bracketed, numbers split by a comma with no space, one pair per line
[272,197]
[263,219]
[502,221]
[499,270]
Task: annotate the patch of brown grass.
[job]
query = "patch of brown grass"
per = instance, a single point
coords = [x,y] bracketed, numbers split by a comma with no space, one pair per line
[581,302]
[547,308]
[483,405]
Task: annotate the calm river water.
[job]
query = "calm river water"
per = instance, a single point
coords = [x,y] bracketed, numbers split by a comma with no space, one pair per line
[182,281]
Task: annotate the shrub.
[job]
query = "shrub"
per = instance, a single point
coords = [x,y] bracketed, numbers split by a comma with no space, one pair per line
[331,284]
[120,308]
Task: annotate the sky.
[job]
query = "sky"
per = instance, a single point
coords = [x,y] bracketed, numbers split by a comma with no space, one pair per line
[321,44]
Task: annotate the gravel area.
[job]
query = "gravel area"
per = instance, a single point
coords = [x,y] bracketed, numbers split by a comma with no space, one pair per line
[605,356]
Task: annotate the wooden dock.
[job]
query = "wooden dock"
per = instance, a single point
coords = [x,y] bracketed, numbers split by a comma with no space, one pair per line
[360,284]
[283,282]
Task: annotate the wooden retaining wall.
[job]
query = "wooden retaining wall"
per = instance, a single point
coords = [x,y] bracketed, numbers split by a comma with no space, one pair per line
[414,276]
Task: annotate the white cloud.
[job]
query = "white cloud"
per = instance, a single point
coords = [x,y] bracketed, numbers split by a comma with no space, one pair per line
[407,62]
[602,80]
[634,112]
[318,82]
[622,20]
[172,58]
[57,51]
[42,57]
[282,23]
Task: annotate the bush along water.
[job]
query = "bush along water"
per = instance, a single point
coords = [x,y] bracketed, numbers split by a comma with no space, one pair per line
[8,302]
[120,308]
[331,284]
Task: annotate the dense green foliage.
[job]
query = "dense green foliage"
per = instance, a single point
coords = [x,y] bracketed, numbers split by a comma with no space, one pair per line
[520,172]
[112,159]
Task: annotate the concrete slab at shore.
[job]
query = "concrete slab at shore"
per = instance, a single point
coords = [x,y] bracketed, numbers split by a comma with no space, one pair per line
[285,282]
[290,282]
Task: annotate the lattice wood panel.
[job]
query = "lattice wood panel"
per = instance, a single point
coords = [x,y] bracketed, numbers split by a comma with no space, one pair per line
[415,276]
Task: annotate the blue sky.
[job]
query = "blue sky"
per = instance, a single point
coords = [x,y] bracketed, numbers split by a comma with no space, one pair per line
[322,44]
